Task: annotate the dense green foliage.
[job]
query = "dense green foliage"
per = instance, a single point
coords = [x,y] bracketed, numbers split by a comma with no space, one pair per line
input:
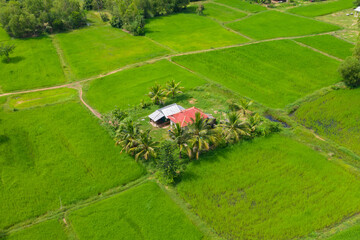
[189,31]
[53,156]
[243,5]
[261,26]
[350,71]
[51,229]
[329,44]
[319,9]
[6,49]
[28,18]
[222,13]
[335,116]
[33,64]
[143,212]
[273,73]
[126,89]
[104,49]
[167,164]
[352,233]
[269,188]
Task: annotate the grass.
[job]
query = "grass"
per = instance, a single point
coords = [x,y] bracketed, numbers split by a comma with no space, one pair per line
[143,212]
[3,35]
[55,156]
[33,64]
[95,50]
[273,73]
[352,233]
[243,5]
[51,229]
[319,9]
[222,13]
[329,44]
[127,88]
[188,32]
[274,24]
[335,116]
[270,188]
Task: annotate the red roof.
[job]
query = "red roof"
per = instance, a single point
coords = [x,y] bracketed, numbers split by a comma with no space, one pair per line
[186,116]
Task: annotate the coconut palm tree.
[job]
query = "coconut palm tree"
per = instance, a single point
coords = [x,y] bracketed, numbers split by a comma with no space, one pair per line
[146,147]
[254,121]
[234,128]
[180,136]
[126,135]
[244,105]
[173,88]
[157,94]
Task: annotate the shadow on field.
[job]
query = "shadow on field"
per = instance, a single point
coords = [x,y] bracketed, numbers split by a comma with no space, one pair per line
[13,60]
[3,235]
[3,139]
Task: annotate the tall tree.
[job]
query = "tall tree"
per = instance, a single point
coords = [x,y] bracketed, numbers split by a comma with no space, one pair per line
[6,50]
[234,128]
[180,136]
[157,94]
[245,105]
[168,166]
[146,147]
[127,136]
[173,88]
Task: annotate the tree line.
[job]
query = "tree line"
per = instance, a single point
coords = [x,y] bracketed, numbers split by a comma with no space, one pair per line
[28,18]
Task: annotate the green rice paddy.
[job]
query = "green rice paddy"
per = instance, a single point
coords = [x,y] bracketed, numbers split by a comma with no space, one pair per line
[274,24]
[335,116]
[322,8]
[352,233]
[273,73]
[222,13]
[269,188]
[243,5]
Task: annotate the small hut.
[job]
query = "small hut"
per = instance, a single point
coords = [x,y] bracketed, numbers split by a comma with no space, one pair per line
[159,118]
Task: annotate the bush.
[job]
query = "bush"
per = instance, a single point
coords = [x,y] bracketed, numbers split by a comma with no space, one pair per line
[104,17]
[350,71]
[116,22]
[58,25]
[77,19]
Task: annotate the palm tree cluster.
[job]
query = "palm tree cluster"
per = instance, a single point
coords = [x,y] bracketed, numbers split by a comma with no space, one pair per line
[158,94]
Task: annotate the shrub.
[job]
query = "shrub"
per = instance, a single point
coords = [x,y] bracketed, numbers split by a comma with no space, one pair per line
[168,166]
[350,71]
[104,17]
[116,22]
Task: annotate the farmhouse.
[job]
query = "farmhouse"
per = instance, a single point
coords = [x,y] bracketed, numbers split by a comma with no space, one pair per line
[159,118]
[186,116]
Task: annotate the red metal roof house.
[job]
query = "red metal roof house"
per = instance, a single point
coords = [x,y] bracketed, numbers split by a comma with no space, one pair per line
[186,116]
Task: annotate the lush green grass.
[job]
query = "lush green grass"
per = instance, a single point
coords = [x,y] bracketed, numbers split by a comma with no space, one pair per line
[33,64]
[144,212]
[329,44]
[243,5]
[273,73]
[3,35]
[127,88]
[189,31]
[95,50]
[352,233]
[270,188]
[319,9]
[55,155]
[51,229]
[222,13]
[335,116]
[274,24]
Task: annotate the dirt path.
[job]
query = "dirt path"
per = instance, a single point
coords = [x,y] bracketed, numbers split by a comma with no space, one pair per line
[317,50]
[96,113]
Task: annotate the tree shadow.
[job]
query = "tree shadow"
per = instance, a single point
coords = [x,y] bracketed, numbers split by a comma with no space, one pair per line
[13,60]
[4,139]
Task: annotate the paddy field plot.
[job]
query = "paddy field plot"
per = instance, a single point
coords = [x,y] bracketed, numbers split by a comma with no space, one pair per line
[222,13]
[243,5]
[273,73]
[54,156]
[329,44]
[269,188]
[127,88]
[275,24]
[335,116]
[143,212]
[50,229]
[95,50]
[34,63]
[188,31]
[352,233]
[322,8]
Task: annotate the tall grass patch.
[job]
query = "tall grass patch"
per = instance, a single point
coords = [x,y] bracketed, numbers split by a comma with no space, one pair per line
[329,44]
[54,156]
[127,88]
[243,5]
[269,188]
[335,116]
[143,212]
[274,24]
[34,63]
[323,8]
[273,73]
[96,50]
[188,32]
[222,13]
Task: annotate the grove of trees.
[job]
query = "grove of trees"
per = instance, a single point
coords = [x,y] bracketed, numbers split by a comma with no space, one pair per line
[350,68]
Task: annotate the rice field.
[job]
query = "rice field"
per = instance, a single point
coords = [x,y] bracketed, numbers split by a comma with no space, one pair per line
[222,13]
[188,31]
[335,116]
[273,73]
[143,212]
[54,156]
[322,8]
[127,88]
[329,44]
[352,233]
[243,5]
[95,50]
[33,64]
[269,188]
[275,24]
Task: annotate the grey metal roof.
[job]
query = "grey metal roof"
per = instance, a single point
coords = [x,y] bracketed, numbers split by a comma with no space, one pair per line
[165,112]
